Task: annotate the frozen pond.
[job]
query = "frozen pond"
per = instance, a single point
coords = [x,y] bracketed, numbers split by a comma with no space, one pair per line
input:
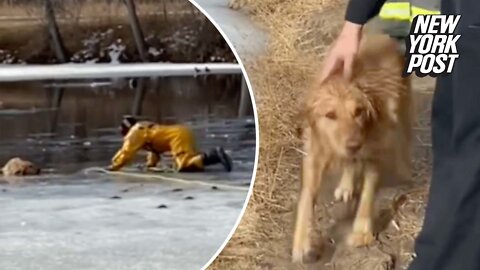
[76,218]
[112,223]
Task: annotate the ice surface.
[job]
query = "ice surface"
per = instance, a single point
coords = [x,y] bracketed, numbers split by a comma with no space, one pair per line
[76,218]
[113,223]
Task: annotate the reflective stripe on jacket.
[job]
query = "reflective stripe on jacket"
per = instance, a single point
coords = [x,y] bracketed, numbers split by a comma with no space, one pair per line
[407,10]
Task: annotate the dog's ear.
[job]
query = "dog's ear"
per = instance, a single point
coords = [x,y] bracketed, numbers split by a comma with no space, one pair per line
[371,98]
[311,113]
[302,120]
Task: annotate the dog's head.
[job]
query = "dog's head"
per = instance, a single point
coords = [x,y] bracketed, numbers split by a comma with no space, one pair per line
[30,169]
[342,114]
[20,167]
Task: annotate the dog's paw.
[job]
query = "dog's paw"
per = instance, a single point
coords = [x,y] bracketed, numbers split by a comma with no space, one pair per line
[359,239]
[306,254]
[343,193]
[362,234]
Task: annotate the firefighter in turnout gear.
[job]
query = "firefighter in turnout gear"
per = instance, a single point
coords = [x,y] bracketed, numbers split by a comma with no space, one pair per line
[157,139]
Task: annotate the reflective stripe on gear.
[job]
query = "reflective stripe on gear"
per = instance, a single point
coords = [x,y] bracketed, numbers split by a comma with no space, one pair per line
[399,11]
[403,11]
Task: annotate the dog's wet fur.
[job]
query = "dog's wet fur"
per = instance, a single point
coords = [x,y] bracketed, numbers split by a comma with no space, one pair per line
[20,167]
[356,128]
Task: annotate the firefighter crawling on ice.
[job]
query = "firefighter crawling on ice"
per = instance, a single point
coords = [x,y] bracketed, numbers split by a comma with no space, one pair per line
[158,139]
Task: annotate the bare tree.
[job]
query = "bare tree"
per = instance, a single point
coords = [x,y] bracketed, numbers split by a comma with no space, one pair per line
[60,52]
[136,30]
[141,48]
[55,37]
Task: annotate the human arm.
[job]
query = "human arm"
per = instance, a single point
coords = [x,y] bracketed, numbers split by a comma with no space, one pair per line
[133,142]
[361,11]
[344,50]
[152,159]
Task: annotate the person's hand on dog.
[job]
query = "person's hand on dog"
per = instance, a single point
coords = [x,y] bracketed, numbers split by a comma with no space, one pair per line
[343,52]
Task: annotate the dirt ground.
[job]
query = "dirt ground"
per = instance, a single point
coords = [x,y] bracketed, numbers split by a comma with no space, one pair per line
[299,33]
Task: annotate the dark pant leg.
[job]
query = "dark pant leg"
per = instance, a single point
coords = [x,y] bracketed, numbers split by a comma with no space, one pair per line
[427,244]
[450,238]
[462,242]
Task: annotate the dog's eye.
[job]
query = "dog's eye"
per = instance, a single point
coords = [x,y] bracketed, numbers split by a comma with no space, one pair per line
[331,115]
[358,112]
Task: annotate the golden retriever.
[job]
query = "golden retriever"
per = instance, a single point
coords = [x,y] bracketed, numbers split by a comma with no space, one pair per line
[19,167]
[355,128]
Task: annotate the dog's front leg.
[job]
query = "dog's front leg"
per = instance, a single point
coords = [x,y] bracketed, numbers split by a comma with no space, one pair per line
[345,189]
[312,174]
[362,233]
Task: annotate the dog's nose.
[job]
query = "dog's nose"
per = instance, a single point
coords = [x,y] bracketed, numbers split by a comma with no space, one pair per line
[353,146]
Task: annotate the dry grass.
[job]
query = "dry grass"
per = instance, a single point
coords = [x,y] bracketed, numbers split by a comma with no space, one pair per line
[299,32]
[279,79]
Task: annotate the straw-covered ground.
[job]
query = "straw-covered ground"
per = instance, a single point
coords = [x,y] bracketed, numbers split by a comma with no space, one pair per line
[300,32]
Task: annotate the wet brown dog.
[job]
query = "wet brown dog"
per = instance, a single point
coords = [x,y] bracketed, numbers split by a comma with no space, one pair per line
[19,167]
[356,128]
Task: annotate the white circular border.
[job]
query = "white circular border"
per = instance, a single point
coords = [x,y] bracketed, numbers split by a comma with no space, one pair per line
[257,133]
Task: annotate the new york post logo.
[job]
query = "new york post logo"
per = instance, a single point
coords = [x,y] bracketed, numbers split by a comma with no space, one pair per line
[432,45]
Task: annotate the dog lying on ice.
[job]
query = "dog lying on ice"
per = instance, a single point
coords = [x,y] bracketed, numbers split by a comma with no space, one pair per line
[19,167]
[355,128]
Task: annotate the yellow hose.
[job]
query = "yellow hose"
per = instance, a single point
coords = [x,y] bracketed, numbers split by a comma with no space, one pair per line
[165,178]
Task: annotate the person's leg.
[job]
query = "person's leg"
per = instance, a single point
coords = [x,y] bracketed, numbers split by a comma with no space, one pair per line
[437,213]
[152,159]
[462,249]
[216,156]
[450,238]
[189,162]
[461,246]
[183,148]
[192,161]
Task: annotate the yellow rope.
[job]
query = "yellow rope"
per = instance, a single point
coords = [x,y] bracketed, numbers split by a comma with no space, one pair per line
[165,178]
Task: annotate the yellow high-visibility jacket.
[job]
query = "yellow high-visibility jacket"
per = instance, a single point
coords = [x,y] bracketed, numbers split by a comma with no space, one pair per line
[406,10]
[157,139]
